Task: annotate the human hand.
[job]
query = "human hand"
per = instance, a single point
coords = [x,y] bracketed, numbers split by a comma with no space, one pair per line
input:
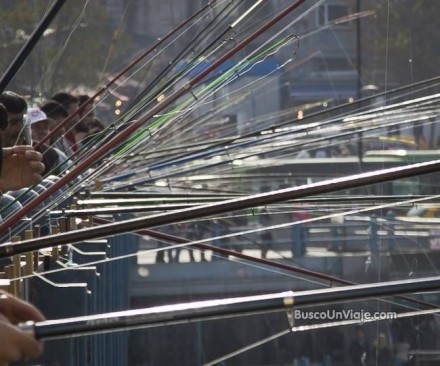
[22,167]
[15,344]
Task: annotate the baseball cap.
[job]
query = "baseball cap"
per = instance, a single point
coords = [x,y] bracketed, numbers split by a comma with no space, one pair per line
[34,115]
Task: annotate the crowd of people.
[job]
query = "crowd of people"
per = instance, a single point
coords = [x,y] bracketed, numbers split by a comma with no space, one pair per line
[23,126]
[70,117]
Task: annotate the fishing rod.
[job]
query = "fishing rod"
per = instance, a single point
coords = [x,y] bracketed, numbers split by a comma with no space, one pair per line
[27,48]
[184,52]
[232,72]
[327,186]
[219,308]
[141,194]
[116,140]
[317,114]
[227,252]
[260,135]
[229,148]
[146,201]
[192,66]
[330,24]
[186,149]
[133,63]
[338,21]
[175,114]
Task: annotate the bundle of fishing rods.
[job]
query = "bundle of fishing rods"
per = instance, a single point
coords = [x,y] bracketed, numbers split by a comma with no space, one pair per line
[176,169]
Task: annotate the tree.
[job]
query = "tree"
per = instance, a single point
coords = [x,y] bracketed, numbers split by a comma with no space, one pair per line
[71,53]
[407,34]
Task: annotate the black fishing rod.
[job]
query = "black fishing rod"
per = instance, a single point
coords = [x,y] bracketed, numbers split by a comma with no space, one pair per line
[21,57]
[220,308]
[327,186]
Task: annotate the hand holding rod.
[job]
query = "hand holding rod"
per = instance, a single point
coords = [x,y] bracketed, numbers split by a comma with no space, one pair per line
[211,309]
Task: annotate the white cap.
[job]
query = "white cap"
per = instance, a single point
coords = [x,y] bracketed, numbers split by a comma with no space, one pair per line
[34,115]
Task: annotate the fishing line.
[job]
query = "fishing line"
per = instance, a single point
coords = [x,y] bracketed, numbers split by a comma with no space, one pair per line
[247,348]
[115,36]
[148,93]
[46,75]
[217,308]
[380,126]
[73,266]
[324,138]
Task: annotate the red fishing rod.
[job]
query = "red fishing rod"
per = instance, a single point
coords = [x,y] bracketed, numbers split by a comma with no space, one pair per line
[122,72]
[249,258]
[123,135]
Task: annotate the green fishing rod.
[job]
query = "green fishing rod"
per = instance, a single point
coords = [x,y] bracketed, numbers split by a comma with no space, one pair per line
[231,73]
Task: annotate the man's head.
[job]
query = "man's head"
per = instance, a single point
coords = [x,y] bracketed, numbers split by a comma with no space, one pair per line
[38,122]
[16,108]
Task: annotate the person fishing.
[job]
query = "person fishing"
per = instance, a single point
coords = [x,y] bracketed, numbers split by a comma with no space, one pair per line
[20,166]
[17,345]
